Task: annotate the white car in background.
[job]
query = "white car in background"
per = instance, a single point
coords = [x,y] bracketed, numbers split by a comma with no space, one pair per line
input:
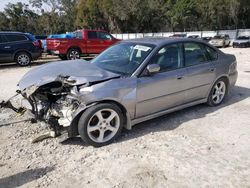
[220,41]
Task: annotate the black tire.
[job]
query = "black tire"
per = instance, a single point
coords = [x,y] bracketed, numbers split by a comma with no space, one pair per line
[63,57]
[210,100]
[87,117]
[73,54]
[23,59]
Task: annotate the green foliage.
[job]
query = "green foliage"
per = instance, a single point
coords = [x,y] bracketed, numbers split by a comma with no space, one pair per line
[59,16]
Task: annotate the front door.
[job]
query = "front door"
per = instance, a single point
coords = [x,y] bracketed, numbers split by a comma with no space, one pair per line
[165,89]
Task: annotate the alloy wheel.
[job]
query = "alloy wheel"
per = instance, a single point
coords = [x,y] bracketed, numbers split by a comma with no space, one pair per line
[74,55]
[219,92]
[103,125]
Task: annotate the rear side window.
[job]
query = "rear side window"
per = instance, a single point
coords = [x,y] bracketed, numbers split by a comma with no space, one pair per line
[194,54]
[2,39]
[15,38]
[212,54]
[92,34]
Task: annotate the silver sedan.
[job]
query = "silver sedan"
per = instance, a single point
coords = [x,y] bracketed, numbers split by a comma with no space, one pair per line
[130,82]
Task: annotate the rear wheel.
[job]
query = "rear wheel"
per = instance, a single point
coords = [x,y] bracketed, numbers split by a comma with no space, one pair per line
[99,125]
[23,59]
[73,53]
[217,93]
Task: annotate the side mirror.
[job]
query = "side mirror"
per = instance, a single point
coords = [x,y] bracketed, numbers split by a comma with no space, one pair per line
[153,68]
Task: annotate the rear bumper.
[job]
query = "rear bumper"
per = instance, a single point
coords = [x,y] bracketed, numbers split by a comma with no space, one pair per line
[36,55]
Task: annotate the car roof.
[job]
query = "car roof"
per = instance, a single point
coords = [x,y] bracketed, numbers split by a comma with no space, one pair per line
[163,40]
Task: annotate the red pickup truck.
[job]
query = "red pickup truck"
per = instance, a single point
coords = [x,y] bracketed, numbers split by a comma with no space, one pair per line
[84,42]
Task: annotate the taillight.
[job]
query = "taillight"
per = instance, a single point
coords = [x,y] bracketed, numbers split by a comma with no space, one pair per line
[36,43]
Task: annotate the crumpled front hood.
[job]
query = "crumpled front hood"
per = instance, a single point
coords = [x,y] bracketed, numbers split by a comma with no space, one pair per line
[79,70]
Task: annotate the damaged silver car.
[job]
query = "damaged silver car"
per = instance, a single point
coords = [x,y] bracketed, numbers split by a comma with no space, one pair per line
[131,82]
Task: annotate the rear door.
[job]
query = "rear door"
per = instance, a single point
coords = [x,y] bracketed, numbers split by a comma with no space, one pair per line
[201,71]
[165,89]
[94,45]
[5,49]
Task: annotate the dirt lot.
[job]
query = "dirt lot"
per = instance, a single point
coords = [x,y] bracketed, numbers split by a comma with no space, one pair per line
[197,147]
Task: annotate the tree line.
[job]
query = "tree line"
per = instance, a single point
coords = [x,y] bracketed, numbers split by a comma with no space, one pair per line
[43,17]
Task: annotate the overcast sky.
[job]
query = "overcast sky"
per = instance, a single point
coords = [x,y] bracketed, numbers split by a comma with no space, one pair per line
[3,3]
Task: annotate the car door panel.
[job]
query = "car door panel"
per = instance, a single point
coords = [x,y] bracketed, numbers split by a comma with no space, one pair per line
[199,79]
[160,92]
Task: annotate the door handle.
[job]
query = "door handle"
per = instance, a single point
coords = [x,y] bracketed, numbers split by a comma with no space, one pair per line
[212,69]
[7,47]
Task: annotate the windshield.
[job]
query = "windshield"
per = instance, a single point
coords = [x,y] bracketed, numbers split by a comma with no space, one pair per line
[243,38]
[123,58]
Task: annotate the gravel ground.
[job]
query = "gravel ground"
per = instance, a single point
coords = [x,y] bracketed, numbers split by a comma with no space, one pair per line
[197,147]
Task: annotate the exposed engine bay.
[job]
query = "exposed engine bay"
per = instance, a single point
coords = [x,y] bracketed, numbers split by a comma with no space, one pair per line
[52,103]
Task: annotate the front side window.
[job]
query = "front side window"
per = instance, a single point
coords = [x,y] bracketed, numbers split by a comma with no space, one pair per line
[104,36]
[123,58]
[15,38]
[169,58]
[194,54]
[92,35]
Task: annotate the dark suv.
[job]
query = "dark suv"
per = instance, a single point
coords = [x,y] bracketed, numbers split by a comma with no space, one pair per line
[19,47]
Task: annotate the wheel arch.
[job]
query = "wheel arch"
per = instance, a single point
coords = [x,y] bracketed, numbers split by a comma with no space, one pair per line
[22,50]
[225,77]
[74,47]
[73,129]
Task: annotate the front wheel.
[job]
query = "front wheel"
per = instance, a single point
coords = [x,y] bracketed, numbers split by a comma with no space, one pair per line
[73,54]
[217,93]
[99,125]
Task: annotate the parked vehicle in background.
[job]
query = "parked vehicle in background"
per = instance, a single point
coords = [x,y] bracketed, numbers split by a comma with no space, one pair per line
[19,47]
[42,40]
[242,42]
[84,42]
[206,39]
[220,41]
[131,82]
[178,36]
[193,36]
